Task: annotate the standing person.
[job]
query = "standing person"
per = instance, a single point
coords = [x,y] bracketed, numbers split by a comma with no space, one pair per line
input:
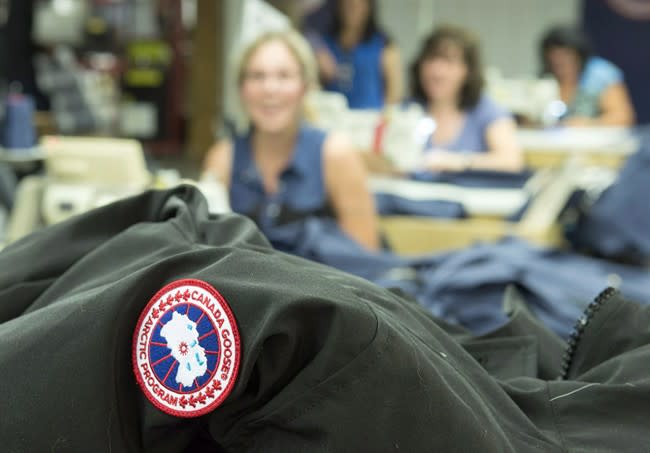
[282,169]
[471,131]
[357,59]
[591,87]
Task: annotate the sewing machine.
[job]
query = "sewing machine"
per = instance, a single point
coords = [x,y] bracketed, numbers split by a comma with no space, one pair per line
[81,173]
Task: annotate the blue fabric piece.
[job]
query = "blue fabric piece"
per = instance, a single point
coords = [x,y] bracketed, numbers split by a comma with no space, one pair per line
[322,240]
[389,204]
[360,77]
[475,178]
[301,191]
[18,125]
[473,134]
[617,225]
[466,287]
[597,75]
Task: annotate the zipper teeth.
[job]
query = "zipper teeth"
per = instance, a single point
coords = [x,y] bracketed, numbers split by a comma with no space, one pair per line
[579,328]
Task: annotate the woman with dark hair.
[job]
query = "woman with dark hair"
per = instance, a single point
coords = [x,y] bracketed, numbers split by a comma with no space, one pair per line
[591,87]
[471,131]
[357,59]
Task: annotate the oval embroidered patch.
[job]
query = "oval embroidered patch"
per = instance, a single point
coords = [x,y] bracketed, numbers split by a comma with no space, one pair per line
[186,349]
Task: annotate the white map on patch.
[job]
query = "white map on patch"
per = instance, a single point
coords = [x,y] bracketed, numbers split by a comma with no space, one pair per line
[183,341]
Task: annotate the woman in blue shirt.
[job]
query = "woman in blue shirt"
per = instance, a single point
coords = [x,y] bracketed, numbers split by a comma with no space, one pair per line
[281,169]
[357,59]
[592,88]
[471,131]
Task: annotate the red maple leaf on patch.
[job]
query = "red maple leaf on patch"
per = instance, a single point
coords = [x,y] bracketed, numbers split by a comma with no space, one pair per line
[193,401]
[209,392]
[155,312]
[169,300]
[216,385]
[186,294]
[183,402]
[201,398]
[178,296]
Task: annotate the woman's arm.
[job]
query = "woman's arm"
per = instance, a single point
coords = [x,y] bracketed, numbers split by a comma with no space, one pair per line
[347,188]
[218,162]
[325,60]
[392,70]
[327,67]
[615,106]
[503,153]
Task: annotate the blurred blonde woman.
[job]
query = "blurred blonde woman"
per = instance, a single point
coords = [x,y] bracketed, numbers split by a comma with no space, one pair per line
[280,169]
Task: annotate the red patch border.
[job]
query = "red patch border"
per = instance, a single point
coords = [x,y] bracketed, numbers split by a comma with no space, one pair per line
[236,340]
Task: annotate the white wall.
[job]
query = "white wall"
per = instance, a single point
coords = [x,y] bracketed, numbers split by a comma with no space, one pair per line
[259,17]
[509,29]
[407,22]
[233,14]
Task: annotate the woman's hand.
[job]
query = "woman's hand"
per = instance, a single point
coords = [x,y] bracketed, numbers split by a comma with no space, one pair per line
[327,67]
[440,160]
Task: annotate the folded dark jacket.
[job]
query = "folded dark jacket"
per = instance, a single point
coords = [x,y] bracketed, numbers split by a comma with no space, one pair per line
[327,361]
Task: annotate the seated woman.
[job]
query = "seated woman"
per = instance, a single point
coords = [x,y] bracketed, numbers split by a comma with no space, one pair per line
[592,88]
[471,131]
[357,59]
[281,169]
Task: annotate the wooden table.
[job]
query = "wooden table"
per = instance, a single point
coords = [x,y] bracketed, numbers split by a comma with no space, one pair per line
[608,147]
[410,236]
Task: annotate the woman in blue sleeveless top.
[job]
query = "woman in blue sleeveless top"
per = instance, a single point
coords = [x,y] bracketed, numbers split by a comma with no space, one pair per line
[281,169]
[357,59]
[591,87]
[471,131]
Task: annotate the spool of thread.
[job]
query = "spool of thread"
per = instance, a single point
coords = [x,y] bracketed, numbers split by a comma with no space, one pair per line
[378,137]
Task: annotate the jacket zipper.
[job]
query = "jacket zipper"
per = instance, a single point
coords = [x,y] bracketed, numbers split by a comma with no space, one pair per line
[579,329]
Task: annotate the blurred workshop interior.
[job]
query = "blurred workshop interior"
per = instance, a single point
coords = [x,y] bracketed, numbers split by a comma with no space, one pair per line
[422,222]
